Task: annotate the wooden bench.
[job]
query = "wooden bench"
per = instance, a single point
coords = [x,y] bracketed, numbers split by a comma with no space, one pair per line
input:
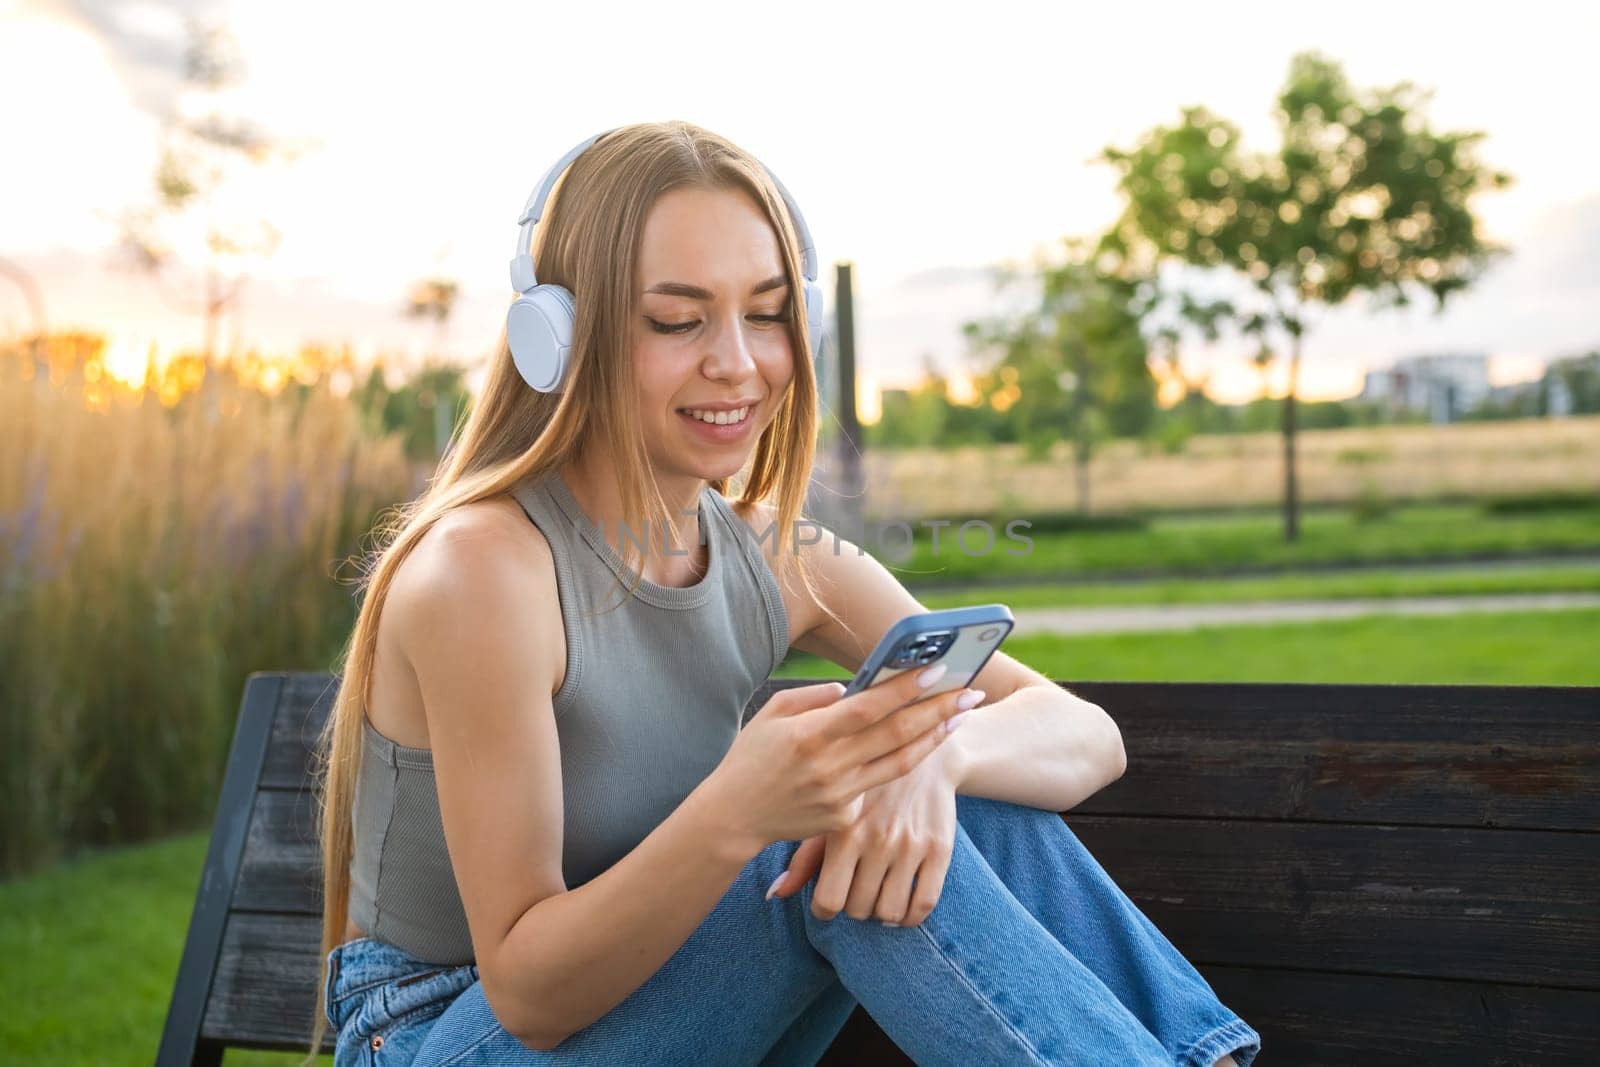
[1367,874]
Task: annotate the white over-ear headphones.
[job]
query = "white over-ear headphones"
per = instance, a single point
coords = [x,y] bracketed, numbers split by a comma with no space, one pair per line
[539,324]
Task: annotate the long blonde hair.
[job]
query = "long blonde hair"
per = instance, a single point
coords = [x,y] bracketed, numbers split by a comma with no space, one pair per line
[587,241]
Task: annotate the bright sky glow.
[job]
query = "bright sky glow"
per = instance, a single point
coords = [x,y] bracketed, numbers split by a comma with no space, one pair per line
[921,143]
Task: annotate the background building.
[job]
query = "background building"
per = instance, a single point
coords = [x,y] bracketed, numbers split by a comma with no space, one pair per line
[1444,385]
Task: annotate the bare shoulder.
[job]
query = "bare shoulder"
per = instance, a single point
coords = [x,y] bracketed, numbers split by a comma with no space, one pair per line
[488,539]
[485,559]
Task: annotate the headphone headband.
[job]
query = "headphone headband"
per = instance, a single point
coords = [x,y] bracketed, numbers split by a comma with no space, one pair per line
[534,208]
[522,270]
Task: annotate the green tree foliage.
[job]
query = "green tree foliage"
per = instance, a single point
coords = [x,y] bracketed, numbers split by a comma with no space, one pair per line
[1074,366]
[435,299]
[1576,382]
[926,416]
[915,416]
[413,410]
[1363,196]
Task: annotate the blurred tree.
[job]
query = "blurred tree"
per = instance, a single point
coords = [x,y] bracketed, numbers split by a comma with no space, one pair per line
[925,415]
[435,298]
[1168,316]
[1571,386]
[410,409]
[1361,197]
[1073,366]
[194,159]
[975,423]
[914,416]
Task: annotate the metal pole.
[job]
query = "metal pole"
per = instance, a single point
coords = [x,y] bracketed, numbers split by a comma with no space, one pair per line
[850,440]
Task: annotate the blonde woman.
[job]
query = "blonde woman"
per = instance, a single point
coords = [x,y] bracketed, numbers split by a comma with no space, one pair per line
[546,837]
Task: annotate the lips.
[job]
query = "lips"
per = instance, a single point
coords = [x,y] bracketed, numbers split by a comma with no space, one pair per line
[715,417]
[719,433]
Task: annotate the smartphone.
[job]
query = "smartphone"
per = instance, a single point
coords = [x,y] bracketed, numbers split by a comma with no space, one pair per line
[961,638]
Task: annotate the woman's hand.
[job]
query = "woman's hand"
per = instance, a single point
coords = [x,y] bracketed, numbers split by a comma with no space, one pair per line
[906,829]
[802,764]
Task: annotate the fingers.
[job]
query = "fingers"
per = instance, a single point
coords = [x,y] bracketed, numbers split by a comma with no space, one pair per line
[804,864]
[894,899]
[833,884]
[895,889]
[797,699]
[865,887]
[930,883]
[860,711]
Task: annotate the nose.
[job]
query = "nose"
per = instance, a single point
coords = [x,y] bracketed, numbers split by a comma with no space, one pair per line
[729,357]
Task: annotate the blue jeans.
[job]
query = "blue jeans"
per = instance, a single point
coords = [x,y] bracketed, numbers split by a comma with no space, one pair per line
[1032,955]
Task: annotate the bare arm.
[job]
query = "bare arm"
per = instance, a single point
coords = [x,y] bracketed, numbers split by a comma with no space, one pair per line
[471,608]
[1041,746]
[1030,742]
[581,953]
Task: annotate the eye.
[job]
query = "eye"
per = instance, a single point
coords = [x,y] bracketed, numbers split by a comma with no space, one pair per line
[671,327]
[685,327]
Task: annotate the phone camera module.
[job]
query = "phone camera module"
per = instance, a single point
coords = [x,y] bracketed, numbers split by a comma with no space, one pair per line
[921,649]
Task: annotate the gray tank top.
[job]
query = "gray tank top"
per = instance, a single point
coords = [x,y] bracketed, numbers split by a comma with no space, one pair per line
[653,697]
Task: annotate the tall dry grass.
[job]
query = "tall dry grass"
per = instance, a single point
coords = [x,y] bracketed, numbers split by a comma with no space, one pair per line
[157,544]
[1397,463]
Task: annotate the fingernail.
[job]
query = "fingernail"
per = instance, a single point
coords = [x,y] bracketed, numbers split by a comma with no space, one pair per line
[953,721]
[773,888]
[970,699]
[886,922]
[931,675]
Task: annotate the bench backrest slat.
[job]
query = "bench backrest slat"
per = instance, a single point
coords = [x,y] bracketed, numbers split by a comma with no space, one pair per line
[1424,755]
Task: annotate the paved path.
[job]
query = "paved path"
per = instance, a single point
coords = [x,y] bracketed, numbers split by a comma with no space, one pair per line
[1151,617]
[1574,561]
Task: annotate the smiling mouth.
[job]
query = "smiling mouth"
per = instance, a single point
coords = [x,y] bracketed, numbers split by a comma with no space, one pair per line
[718,418]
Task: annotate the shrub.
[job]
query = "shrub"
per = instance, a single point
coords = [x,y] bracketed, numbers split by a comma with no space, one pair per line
[154,550]
[1544,501]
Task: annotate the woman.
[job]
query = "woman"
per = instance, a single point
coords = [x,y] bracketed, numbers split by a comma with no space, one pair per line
[546,838]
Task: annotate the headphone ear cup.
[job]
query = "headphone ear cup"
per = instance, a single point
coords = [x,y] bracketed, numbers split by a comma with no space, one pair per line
[815,313]
[539,332]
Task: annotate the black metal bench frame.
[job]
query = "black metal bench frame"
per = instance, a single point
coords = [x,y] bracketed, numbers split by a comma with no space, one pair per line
[1366,874]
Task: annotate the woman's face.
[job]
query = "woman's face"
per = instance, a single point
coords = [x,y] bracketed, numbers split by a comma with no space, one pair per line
[712,332]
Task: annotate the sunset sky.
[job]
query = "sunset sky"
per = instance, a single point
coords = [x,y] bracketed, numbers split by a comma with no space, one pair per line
[921,142]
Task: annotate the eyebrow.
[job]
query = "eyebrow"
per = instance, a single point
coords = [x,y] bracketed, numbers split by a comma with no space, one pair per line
[694,292]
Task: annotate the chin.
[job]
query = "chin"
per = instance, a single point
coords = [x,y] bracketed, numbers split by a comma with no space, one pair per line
[700,461]
[689,462]
[711,468]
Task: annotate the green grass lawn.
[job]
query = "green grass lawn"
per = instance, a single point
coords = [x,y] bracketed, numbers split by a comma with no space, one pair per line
[91,947]
[1532,648]
[1384,583]
[1216,543]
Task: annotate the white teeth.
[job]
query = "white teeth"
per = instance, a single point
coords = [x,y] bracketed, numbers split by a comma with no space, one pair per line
[718,418]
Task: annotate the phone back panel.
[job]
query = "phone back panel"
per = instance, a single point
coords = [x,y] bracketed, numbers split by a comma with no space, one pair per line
[972,643]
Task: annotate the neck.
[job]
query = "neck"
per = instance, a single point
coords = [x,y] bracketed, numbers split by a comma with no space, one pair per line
[593,481]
